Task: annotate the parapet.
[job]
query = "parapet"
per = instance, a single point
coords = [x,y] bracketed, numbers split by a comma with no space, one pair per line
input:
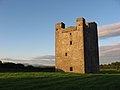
[71,28]
[59,25]
[91,24]
[80,19]
[80,25]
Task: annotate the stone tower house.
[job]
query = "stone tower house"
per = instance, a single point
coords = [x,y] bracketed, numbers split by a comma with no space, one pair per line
[77,47]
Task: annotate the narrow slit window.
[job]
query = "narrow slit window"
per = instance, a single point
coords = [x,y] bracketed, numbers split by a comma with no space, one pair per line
[70,42]
[71,68]
[56,29]
[70,34]
[65,54]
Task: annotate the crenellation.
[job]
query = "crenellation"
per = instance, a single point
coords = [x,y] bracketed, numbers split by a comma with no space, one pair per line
[60,25]
[92,25]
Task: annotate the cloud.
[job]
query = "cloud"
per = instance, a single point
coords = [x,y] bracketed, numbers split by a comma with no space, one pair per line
[111,30]
[47,60]
[110,53]
[6,59]
[45,57]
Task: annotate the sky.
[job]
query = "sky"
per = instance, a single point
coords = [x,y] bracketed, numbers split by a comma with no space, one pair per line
[27,27]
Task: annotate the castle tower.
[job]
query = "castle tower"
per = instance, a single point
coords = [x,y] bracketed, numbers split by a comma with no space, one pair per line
[77,47]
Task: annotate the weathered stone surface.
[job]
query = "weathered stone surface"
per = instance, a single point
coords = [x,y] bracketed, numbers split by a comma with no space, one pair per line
[77,47]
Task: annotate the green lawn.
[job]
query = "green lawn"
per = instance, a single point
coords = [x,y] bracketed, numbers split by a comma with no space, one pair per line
[59,81]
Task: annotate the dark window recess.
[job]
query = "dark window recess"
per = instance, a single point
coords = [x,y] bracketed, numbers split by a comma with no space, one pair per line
[70,42]
[56,29]
[65,54]
[71,68]
[70,34]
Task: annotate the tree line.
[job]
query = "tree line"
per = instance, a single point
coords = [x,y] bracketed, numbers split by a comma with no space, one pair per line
[13,67]
[113,65]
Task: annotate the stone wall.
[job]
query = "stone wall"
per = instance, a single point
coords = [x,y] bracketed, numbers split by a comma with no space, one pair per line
[76,47]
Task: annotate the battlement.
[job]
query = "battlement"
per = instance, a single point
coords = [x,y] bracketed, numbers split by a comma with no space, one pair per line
[91,24]
[80,20]
[80,25]
[59,25]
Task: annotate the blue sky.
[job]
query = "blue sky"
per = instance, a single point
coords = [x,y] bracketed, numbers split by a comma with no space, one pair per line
[27,26]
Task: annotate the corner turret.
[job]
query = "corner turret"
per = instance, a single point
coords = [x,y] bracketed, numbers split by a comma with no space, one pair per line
[59,25]
[80,23]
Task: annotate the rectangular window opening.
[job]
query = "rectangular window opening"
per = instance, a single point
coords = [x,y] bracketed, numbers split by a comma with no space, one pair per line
[70,42]
[65,54]
[56,29]
[71,68]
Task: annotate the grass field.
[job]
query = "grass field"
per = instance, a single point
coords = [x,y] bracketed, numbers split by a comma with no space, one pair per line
[59,81]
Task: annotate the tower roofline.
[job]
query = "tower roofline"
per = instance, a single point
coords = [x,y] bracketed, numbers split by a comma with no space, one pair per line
[80,19]
[60,23]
